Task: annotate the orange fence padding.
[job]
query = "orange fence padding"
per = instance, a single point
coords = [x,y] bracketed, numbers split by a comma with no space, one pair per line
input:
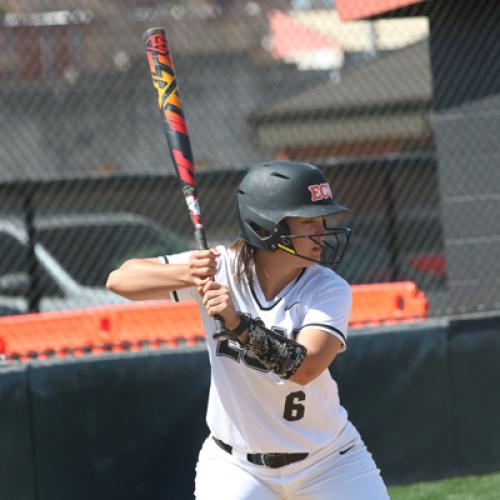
[386,303]
[163,323]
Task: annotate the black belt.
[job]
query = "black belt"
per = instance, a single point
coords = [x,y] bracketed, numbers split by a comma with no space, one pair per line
[272,460]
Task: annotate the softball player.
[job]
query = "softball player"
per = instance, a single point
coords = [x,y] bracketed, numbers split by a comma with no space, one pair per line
[277,429]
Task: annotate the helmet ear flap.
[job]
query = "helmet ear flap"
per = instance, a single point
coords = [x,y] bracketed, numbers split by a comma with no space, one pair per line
[257,230]
[260,232]
[284,231]
[284,242]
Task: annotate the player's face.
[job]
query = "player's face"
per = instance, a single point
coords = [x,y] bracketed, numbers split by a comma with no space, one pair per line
[312,230]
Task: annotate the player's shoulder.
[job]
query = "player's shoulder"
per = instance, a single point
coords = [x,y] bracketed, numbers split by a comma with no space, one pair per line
[227,253]
[225,261]
[323,279]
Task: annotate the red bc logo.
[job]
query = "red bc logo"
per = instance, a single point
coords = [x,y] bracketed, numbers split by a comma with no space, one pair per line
[320,191]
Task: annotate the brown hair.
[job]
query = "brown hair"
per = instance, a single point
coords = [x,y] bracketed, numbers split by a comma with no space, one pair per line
[244,261]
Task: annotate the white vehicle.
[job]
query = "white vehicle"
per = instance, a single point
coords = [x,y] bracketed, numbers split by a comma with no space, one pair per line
[74,255]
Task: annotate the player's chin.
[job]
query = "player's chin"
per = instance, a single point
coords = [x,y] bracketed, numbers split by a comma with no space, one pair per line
[311,259]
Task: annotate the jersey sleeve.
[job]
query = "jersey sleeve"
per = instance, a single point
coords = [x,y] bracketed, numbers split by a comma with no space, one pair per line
[189,293]
[330,309]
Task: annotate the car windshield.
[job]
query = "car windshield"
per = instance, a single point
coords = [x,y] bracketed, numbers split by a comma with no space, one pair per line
[90,252]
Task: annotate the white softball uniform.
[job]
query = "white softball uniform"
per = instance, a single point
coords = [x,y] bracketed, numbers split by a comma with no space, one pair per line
[252,411]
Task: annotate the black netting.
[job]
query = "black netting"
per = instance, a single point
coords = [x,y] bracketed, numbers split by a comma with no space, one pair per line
[405,133]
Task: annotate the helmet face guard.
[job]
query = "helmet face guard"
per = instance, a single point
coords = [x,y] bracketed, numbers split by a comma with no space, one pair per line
[272,191]
[333,245]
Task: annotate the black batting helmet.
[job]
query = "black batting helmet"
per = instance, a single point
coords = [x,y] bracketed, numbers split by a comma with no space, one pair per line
[274,190]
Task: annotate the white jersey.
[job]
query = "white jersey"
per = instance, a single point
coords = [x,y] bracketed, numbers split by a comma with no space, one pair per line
[251,408]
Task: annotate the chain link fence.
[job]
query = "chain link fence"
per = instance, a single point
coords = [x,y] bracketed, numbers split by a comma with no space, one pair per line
[86,180]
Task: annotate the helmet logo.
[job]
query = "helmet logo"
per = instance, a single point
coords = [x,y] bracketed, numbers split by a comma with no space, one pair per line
[320,191]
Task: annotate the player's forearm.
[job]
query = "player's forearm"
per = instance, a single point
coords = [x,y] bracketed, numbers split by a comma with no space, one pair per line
[301,362]
[310,369]
[144,279]
[322,348]
[276,352]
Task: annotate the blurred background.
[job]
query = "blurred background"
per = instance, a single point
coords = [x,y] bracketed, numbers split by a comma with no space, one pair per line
[406,138]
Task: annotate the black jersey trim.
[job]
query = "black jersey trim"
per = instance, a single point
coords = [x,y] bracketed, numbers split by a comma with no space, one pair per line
[328,327]
[263,308]
[174,292]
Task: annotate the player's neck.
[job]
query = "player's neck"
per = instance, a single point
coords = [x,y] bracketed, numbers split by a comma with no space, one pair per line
[273,273]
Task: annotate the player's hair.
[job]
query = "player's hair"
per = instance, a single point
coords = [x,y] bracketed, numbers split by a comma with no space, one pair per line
[244,261]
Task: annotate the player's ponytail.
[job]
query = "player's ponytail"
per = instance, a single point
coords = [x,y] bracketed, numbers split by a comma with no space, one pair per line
[244,261]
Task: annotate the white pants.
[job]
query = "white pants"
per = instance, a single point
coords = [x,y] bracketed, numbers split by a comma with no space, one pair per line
[324,475]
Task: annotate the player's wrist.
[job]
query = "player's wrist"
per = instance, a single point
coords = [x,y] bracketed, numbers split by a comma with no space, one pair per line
[232,322]
[236,328]
[240,325]
[186,276]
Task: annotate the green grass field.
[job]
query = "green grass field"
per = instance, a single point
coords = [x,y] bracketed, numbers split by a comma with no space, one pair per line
[461,488]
